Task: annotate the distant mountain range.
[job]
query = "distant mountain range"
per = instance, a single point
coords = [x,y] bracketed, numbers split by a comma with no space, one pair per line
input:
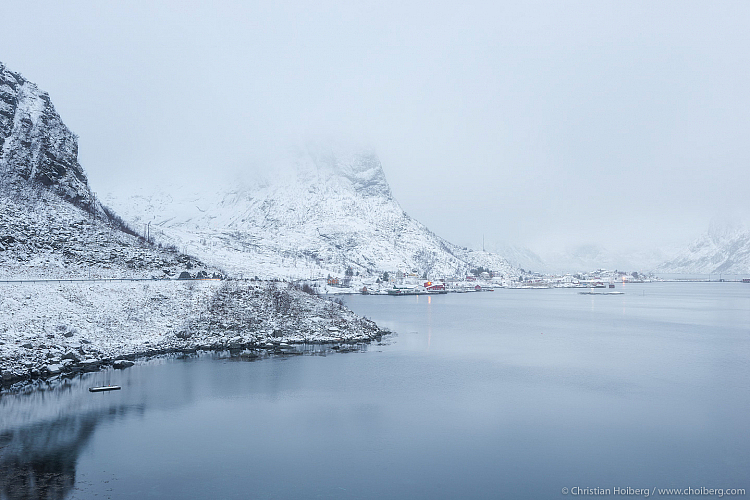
[318,210]
[724,248]
[583,258]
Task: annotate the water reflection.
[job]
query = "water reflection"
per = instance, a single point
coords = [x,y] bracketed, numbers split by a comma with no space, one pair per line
[44,430]
[39,461]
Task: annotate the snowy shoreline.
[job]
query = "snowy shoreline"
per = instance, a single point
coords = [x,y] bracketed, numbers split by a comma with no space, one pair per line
[65,328]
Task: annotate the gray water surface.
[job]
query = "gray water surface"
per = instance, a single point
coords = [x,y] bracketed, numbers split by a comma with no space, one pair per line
[509,394]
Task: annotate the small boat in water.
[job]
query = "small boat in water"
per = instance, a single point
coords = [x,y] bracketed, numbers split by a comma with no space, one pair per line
[105,388]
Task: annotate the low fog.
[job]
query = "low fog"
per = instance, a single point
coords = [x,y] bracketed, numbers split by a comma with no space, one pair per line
[547,125]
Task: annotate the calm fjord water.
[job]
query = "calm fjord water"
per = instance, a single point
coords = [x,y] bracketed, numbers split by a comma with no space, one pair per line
[510,394]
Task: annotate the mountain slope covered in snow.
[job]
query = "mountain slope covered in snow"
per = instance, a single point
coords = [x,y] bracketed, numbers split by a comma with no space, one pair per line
[724,248]
[316,211]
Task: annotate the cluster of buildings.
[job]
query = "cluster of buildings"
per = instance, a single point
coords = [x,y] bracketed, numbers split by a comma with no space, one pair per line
[411,283]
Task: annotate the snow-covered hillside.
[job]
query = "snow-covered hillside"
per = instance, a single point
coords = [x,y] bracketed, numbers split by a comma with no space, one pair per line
[724,248]
[44,237]
[317,211]
[51,223]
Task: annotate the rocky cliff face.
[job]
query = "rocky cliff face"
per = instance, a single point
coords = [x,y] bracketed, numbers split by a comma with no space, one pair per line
[35,145]
[316,211]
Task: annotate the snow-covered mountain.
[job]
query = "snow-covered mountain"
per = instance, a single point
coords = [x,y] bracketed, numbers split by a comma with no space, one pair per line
[51,223]
[317,210]
[724,248]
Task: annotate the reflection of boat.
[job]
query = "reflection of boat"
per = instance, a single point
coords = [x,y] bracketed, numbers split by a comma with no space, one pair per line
[105,388]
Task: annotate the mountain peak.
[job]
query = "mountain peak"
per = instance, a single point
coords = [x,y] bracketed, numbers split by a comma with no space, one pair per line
[316,211]
[353,168]
[721,229]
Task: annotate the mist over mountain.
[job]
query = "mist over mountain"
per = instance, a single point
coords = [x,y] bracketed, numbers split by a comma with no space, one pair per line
[723,248]
[581,258]
[318,209]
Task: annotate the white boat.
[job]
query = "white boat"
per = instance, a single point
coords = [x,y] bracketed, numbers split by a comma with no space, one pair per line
[105,388]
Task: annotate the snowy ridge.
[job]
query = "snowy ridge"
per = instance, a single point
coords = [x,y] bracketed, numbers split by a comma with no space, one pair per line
[724,248]
[318,212]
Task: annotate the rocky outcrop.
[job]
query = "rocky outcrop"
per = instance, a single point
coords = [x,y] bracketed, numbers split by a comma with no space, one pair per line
[35,145]
[114,323]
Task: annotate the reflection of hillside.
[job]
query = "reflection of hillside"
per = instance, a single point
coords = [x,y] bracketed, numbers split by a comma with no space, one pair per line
[43,432]
[39,460]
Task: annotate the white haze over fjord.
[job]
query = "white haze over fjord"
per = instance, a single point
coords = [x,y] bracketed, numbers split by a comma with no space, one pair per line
[546,125]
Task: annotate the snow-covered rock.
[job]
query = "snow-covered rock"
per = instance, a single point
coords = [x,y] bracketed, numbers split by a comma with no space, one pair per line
[128,320]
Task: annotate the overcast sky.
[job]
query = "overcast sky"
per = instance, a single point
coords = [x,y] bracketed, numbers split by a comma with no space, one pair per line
[624,124]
